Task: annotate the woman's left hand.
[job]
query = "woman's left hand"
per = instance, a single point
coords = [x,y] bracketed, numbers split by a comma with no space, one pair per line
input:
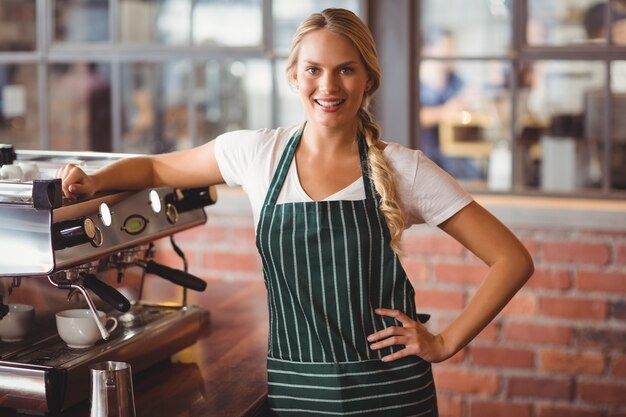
[417,340]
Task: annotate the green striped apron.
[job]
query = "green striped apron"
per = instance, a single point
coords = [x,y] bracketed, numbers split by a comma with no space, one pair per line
[327,266]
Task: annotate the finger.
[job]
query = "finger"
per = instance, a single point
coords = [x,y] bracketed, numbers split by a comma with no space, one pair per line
[396,314]
[390,341]
[385,333]
[396,355]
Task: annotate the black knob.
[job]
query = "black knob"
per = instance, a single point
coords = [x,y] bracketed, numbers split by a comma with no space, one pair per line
[74,232]
[191,198]
[7,154]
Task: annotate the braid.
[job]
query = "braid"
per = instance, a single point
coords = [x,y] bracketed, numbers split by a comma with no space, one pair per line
[383,179]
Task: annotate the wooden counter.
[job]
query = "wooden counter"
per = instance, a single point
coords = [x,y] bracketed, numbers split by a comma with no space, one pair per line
[222,375]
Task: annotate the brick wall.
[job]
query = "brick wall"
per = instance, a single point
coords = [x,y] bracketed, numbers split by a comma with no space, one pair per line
[558,349]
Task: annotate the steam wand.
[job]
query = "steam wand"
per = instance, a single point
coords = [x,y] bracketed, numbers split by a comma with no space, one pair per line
[67,285]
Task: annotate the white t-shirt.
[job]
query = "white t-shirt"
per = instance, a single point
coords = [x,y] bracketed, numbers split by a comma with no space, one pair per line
[249,158]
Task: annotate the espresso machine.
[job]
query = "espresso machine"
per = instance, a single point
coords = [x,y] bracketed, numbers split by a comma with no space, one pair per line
[95,253]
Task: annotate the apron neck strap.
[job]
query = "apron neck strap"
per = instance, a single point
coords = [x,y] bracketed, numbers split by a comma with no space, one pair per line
[285,162]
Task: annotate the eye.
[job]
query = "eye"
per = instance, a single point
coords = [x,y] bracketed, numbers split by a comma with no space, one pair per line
[346,70]
[312,70]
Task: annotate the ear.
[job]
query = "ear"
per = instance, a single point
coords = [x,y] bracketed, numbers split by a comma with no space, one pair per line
[293,80]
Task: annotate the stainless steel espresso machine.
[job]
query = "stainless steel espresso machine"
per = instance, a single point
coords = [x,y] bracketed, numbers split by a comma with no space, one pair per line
[57,254]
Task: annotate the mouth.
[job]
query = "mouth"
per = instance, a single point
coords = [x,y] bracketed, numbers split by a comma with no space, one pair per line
[329,104]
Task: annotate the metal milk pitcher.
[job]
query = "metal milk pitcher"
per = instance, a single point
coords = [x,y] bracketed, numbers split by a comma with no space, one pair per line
[111,390]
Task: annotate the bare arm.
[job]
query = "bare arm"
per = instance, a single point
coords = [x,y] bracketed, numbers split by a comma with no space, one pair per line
[195,167]
[510,266]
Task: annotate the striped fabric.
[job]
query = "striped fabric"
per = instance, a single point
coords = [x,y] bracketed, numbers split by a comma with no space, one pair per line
[327,266]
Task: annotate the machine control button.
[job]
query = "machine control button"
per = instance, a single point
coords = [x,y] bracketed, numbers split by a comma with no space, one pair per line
[155,201]
[105,214]
[171,213]
[135,224]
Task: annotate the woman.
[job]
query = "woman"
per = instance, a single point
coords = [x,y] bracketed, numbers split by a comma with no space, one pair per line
[330,201]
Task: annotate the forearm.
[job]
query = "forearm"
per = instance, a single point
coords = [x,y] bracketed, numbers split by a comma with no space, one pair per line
[502,282]
[126,174]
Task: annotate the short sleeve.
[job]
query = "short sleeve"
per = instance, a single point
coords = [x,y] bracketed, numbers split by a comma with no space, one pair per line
[435,195]
[234,152]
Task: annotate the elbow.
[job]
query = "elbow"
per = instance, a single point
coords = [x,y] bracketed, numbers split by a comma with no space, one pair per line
[525,265]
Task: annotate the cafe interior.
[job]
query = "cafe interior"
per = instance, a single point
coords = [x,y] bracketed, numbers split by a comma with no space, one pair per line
[522,101]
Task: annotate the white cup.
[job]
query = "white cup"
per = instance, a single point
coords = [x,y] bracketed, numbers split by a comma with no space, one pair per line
[11,172]
[78,327]
[17,323]
[30,170]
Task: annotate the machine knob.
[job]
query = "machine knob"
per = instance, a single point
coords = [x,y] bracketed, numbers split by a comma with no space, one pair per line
[74,232]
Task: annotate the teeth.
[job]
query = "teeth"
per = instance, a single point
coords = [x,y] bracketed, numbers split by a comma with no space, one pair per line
[328,103]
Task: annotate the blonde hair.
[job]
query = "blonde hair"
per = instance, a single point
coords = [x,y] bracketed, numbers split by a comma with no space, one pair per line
[346,23]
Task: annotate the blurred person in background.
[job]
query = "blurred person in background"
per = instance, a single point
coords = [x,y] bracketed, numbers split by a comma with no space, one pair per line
[443,96]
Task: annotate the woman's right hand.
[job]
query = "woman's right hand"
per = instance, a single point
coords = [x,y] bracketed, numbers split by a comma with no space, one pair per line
[75,182]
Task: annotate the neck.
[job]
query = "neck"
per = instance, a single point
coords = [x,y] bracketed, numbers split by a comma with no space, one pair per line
[320,139]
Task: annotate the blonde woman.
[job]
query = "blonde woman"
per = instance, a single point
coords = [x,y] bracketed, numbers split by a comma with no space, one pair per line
[330,201]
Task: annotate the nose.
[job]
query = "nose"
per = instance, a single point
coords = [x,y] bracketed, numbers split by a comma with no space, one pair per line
[328,82]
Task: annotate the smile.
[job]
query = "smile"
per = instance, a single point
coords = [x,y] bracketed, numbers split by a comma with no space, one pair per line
[329,103]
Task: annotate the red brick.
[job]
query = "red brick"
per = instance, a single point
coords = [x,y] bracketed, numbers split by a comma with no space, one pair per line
[558,279]
[420,244]
[461,274]
[620,256]
[616,414]
[602,392]
[244,236]
[522,304]
[576,252]
[618,366]
[415,270]
[246,262]
[574,308]
[572,363]
[449,406]
[499,409]
[602,338]
[439,299]
[567,411]
[464,381]
[601,281]
[502,357]
[540,388]
[537,333]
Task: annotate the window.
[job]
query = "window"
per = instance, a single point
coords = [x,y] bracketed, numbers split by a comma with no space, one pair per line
[145,76]
[524,96]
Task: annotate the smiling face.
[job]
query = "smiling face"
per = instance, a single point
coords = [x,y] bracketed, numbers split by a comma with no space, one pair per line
[331,79]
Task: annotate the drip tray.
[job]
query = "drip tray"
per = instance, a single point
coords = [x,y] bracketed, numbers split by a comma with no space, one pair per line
[43,375]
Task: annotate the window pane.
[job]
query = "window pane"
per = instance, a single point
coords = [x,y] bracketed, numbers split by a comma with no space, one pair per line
[288,14]
[231,95]
[213,22]
[464,118]
[478,27]
[19,110]
[81,21]
[154,107]
[17,25]
[566,22]
[165,22]
[290,111]
[564,155]
[80,107]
